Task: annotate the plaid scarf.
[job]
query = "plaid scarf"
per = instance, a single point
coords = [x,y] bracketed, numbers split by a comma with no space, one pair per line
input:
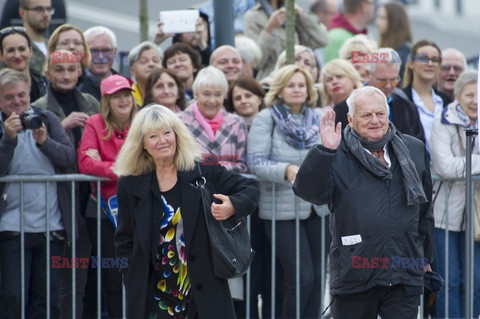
[411,180]
[302,137]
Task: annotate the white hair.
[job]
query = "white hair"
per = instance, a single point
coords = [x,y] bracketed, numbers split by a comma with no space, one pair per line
[248,49]
[210,77]
[366,90]
[99,30]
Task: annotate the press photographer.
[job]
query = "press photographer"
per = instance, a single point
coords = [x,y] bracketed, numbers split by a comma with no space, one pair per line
[30,120]
[32,142]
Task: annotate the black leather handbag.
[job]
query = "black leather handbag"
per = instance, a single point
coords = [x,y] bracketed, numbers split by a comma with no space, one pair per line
[230,247]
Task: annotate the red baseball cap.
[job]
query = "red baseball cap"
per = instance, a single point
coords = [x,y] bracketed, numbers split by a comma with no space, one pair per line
[114,83]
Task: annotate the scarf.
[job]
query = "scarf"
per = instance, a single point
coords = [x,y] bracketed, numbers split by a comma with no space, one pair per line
[300,137]
[209,126]
[465,118]
[411,180]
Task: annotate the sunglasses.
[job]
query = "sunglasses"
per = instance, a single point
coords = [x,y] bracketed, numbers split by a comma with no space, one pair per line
[8,30]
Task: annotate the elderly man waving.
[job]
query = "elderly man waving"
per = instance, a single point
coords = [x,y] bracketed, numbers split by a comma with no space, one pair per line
[377,184]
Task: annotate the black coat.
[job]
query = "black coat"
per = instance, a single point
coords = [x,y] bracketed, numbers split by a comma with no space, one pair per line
[138,231]
[363,204]
[404,115]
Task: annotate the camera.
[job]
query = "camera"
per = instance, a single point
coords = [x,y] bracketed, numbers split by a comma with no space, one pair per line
[30,120]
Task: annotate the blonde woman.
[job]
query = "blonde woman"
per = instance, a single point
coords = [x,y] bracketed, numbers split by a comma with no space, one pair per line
[102,138]
[279,140]
[358,50]
[161,220]
[338,79]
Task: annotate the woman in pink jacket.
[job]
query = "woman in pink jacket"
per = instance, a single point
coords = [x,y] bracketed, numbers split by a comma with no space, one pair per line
[102,139]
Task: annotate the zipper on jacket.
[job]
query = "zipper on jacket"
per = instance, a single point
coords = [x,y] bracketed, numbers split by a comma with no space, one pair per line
[389,228]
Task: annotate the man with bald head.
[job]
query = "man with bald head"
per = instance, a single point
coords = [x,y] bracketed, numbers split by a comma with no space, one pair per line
[71,106]
[229,61]
[453,64]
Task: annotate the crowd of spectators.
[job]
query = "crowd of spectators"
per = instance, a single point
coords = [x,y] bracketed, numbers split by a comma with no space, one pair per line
[247,110]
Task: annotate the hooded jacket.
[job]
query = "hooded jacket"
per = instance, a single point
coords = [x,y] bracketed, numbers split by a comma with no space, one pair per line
[447,145]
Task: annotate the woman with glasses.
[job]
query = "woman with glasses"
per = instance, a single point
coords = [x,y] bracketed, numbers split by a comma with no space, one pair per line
[16,52]
[418,84]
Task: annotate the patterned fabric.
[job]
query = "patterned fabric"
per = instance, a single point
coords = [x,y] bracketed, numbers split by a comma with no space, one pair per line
[464,118]
[210,126]
[302,137]
[229,146]
[411,180]
[172,283]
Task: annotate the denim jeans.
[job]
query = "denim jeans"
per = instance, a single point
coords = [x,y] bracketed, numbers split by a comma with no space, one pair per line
[35,277]
[456,271]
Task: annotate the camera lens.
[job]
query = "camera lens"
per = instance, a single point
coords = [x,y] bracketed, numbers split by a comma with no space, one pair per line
[33,122]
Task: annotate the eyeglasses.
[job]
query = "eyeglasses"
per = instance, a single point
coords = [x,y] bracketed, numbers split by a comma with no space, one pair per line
[383,82]
[41,10]
[423,59]
[100,51]
[448,67]
[8,30]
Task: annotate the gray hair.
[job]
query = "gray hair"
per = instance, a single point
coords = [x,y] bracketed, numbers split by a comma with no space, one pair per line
[467,77]
[99,30]
[390,55]
[209,77]
[137,51]
[248,49]
[457,52]
[11,76]
[366,90]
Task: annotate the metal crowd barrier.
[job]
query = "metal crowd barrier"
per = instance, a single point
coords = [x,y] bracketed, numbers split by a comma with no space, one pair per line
[74,178]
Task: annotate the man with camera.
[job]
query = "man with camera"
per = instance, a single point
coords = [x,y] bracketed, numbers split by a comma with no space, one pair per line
[32,142]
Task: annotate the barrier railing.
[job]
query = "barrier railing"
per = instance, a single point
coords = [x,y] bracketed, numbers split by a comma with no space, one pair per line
[74,178]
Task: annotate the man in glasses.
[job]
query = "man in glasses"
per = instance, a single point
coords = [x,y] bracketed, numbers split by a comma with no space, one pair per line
[37,17]
[385,77]
[453,64]
[102,43]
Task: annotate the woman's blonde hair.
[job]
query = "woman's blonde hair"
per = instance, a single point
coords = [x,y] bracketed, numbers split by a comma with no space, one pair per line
[280,80]
[107,115]
[338,67]
[359,42]
[133,159]
[53,42]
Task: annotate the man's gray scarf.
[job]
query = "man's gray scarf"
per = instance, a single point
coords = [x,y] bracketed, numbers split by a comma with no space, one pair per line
[411,181]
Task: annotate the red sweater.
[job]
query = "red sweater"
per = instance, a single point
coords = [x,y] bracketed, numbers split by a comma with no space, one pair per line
[93,138]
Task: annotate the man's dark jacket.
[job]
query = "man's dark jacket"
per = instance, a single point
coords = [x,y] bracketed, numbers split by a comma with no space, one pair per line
[376,209]
[403,112]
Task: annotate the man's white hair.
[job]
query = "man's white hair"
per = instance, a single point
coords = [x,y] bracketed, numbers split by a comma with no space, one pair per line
[366,90]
